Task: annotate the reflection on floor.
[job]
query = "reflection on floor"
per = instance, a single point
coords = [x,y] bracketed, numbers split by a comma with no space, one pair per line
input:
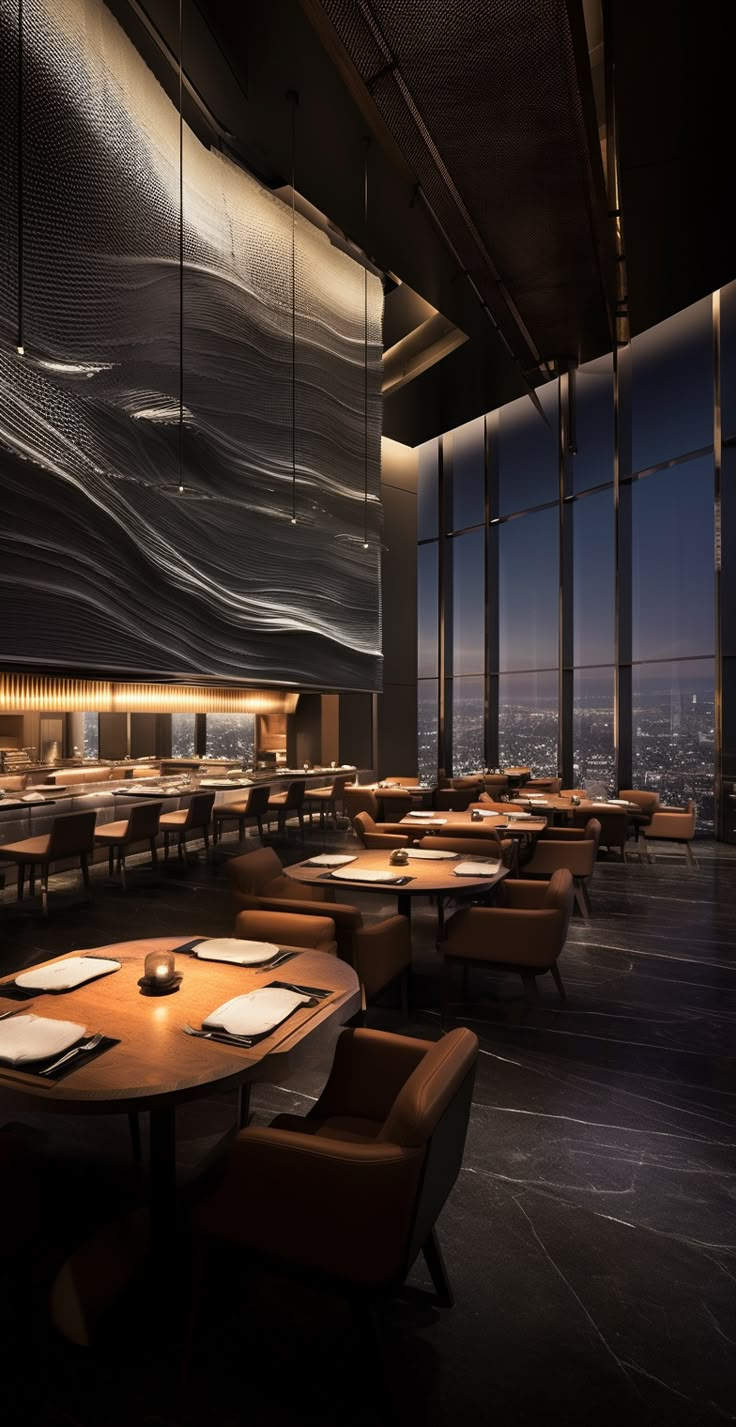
[591,1238]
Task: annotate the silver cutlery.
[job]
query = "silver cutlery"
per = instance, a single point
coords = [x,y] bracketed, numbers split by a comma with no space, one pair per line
[224,1037]
[16,1012]
[76,1050]
[277,961]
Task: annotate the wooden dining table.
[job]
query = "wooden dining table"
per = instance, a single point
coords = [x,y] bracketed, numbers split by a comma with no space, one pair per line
[418,878]
[155,1065]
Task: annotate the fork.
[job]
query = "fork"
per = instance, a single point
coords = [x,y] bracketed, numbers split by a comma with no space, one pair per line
[226,1037]
[80,1049]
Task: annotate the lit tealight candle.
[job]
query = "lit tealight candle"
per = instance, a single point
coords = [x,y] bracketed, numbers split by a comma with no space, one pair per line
[159,969]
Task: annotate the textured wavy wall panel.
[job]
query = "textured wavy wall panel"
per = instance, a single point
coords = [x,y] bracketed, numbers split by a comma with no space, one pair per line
[103,565]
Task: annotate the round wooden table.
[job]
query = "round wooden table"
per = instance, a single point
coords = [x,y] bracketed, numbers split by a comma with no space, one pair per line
[156,1066]
[430,878]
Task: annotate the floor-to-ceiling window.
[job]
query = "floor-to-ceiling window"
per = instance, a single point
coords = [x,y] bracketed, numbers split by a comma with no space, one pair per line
[567,580]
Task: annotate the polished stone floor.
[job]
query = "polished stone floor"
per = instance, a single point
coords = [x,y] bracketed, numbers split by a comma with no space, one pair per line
[591,1237]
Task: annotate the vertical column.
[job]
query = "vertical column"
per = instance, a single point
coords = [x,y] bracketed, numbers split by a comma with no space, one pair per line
[492,643]
[444,562]
[566,399]
[622,516]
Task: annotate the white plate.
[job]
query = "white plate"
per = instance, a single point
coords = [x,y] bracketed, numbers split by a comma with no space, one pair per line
[64,975]
[330,859]
[240,953]
[364,874]
[518,815]
[476,869]
[256,1012]
[430,854]
[28,1038]
[417,814]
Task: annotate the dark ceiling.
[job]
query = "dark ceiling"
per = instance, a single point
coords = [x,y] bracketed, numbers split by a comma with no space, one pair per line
[486,191]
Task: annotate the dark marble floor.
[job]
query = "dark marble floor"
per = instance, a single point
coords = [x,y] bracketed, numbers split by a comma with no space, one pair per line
[591,1237]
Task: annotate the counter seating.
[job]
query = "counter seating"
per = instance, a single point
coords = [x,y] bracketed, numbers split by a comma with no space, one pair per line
[195,818]
[13,782]
[672,825]
[70,777]
[373,834]
[141,826]
[351,1192]
[525,932]
[287,929]
[573,848]
[292,801]
[327,798]
[71,836]
[252,809]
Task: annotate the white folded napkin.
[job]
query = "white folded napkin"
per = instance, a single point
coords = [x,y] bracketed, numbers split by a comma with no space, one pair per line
[240,953]
[33,798]
[363,874]
[476,869]
[255,1013]
[30,1038]
[330,859]
[64,975]
[619,802]
[487,813]
[431,854]
[416,813]
[518,815]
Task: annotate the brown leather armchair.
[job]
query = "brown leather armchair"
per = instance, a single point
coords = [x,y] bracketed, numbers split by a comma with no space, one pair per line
[573,848]
[647,803]
[486,843]
[543,785]
[373,834]
[524,933]
[72,835]
[351,1193]
[141,826]
[287,929]
[360,800]
[614,825]
[454,800]
[672,825]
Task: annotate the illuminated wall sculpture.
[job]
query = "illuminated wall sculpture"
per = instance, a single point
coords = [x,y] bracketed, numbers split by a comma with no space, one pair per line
[104,566]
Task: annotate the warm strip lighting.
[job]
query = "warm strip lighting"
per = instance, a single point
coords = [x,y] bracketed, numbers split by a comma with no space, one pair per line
[21,693]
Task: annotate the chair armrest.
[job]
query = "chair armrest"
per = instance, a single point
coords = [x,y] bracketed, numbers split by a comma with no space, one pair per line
[369,1070]
[341,1207]
[670,824]
[286,928]
[518,894]
[503,934]
[563,834]
[249,902]
[381,952]
[380,839]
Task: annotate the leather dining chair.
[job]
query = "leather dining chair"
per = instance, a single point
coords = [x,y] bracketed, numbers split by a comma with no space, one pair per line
[357,799]
[573,848]
[72,835]
[287,929]
[543,785]
[380,953]
[672,825]
[373,834]
[327,798]
[142,825]
[195,818]
[614,826]
[487,843]
[455,800]
[647,803]
[524,932]
[350,1194]
[252,809]
[292,801]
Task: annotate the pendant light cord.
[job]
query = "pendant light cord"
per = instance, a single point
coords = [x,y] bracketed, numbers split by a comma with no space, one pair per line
[366,143]
[20,176]
[181,247]
[293,98]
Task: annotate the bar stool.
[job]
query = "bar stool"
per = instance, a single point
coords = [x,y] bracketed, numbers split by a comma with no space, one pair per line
[292,801]
[197,816]
[141,826]
[252,810]
[326,799]
[71,835]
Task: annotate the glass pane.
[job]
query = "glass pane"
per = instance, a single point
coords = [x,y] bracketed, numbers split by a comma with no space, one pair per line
[427,611]
[91,735]
[673,707]
[593,761]
[427,729]
[672,387]
[468,726]
[594,574]
[528,591]
[672,555]
[528,452]
[230,736]
[592,462]
[728,360]
[527,721]
[466,556]
[465,465]
[428,490]
[183,743]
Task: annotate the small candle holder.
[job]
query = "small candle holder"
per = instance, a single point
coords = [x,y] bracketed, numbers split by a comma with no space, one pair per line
[161,977]
[399,857]
[476,815]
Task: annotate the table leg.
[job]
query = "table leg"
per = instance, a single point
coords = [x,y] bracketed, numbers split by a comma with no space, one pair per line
[404,905]
[162,1183]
